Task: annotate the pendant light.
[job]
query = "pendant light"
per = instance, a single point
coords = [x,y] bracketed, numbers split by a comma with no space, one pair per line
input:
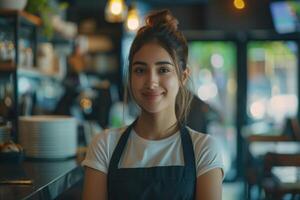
[115,11]
[133,19]
[239,4]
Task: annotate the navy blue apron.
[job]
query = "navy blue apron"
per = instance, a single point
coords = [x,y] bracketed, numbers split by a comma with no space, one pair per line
[153,183]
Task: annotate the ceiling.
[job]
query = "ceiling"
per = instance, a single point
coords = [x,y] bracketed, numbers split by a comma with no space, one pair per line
[196,14]
[101,3]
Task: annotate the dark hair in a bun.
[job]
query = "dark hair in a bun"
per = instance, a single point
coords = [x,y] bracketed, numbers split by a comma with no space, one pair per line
[162,27]
[162,18]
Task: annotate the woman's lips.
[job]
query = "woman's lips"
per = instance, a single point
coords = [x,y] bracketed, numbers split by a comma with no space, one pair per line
[152,95]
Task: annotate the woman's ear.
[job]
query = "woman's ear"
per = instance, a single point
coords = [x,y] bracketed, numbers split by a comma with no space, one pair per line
[185,75]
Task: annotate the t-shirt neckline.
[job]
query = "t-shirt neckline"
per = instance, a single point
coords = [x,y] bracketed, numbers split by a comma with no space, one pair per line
[149,141]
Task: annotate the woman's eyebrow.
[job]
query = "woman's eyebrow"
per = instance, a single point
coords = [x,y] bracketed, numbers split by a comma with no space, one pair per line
[163,63]
[156,63]
[139,63]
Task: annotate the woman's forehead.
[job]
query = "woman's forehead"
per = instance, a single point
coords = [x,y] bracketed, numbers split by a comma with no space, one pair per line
[152,51]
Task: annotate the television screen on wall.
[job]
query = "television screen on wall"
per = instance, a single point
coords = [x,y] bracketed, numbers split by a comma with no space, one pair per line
[286,16]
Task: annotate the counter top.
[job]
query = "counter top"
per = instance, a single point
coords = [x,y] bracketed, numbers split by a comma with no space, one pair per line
[49,179]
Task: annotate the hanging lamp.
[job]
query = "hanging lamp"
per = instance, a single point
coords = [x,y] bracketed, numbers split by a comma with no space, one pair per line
[133,19]
[115,11]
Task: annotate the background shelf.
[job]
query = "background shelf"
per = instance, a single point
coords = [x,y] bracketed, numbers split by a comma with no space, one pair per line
[7,66]
[26,18]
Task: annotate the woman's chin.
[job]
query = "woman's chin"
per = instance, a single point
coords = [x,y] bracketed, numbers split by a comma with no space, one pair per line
[151,109]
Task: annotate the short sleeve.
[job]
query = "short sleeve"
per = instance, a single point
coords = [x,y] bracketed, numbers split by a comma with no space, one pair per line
[208,155]
[96,156]
[101,148]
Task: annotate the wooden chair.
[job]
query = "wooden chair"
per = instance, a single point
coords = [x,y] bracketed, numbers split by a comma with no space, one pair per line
[272,186]
[296,128]
[269,138]
[253,173]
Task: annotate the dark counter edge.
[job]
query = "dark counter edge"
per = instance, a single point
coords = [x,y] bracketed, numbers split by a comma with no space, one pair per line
[59,185]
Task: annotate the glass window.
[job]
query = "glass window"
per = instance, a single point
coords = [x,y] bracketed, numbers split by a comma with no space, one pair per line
[272,83]
[213,71]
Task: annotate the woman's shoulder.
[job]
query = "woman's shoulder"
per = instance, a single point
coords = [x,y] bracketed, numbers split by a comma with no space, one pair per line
[204,142]
[108,136]
[197,136]
[101,148]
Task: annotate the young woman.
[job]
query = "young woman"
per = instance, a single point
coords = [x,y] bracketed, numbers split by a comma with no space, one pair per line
[156,157]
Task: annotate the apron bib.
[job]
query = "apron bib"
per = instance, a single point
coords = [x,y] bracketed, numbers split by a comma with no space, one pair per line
[152,183]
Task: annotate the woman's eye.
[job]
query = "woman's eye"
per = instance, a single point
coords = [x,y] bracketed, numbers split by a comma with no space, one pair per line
[139,70]
[164,70]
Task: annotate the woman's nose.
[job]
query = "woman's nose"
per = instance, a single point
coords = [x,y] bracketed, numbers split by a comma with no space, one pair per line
[152,80]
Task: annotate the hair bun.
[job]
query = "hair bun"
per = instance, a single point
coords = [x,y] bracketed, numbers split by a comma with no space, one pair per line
[162,18]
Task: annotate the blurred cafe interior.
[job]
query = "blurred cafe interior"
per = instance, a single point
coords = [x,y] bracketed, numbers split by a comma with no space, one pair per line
[62,65]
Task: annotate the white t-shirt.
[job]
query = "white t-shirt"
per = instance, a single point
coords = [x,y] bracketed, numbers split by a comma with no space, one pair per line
[140,152]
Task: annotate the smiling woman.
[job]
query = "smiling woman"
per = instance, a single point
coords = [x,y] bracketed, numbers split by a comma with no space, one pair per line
[154,82]
[158,156]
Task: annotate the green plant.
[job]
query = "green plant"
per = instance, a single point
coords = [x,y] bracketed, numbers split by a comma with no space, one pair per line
[45,9]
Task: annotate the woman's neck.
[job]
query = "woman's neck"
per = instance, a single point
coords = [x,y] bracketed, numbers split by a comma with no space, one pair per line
[155,127]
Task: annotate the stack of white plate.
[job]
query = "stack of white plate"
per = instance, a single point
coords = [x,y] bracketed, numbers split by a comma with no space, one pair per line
[48,136]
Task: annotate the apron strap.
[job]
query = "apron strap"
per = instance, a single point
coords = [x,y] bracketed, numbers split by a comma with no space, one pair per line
[113,165]
[188,149]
